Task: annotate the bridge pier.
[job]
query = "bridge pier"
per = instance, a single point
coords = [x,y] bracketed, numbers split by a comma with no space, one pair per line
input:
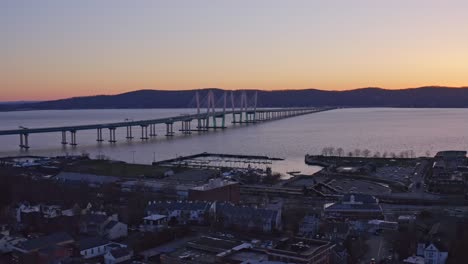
[169,129]
[215,121]
[24,144]
[129,132]
[73,138]
[186,127]
[64,138]
[152,130]
[99,135]
[112,135]
[250,117]
[235,120]
[144,132]
[202,124]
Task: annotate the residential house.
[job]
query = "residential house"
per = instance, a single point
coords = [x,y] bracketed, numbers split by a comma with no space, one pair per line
[433,252]
[229,215]
[118,255]
[153,223]
[45,249]
[183,212]
[92,247]
[115,229]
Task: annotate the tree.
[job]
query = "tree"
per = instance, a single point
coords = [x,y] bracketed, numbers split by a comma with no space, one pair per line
[331,150]
[350,154]
[357,152]
[384,155]
[339,151]
[366,153]
[377,154]
[324,151]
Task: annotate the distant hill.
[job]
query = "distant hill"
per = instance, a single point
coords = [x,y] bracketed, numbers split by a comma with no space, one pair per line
[365,97]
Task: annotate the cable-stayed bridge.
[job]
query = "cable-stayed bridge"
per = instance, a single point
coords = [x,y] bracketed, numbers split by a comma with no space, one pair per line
[213,117]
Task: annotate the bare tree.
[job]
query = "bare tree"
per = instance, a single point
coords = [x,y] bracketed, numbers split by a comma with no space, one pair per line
[324,151]
[331,151]
[377,154]
[357,152]
[350,154]
[428,153]
[366,153]
[339,151]
[385,154]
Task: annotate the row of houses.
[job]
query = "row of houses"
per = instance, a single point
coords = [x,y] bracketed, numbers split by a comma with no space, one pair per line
[226,215]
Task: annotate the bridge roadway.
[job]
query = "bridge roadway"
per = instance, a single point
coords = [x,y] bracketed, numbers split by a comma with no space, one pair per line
[249,116]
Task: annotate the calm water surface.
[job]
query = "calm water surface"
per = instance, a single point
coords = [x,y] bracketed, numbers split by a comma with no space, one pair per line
[376,129]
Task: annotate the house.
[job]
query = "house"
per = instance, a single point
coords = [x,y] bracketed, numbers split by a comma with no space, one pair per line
[92,247]
[46,249]
[96,224]
[183,212]
[432,252]
[229,215]
[115,229]
[118,255]
[153,223]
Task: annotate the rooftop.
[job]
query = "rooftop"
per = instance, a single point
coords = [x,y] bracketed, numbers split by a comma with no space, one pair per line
[45,241]
[155,217]
[91,242]
[85,177]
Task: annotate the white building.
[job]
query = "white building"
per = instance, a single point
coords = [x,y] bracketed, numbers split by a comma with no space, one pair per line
[115,229]
[433,253]
[153,223]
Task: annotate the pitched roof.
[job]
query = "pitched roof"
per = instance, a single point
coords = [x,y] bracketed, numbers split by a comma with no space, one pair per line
[360,197]
[231,211]
[45,241]
[85,177]
[121,252]
[110,225]
[183,206]
[91,242]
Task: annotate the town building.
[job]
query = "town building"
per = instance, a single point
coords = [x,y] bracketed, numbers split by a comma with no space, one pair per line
[183,212]
[103,225]
[354,206]
[432,252]
[216,189]
[154,222]
[302,251]
[118,255]
[46,249]
[228,215]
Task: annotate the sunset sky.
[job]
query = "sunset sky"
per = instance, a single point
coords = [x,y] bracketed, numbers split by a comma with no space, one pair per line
[56,49]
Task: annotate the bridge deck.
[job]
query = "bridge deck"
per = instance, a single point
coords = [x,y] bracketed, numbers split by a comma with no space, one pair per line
[146,122]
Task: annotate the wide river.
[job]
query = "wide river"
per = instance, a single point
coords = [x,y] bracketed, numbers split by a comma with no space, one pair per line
[424,131]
